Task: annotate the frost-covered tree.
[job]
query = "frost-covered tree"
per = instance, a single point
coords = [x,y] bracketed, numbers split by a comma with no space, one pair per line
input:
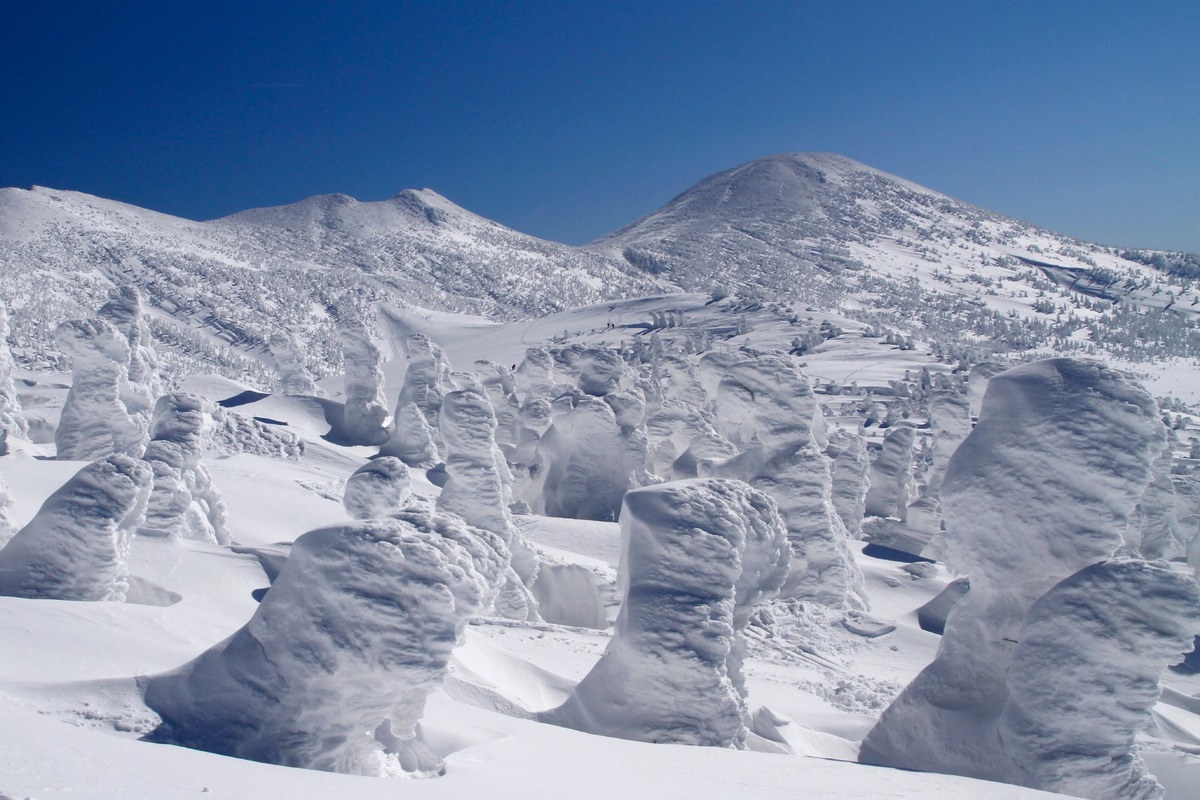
[294,377]
[77,546]
[379,488]
[850,478]
[1086,673]
[333,670]
[141,383]
[891,486]
[699,556]
[184,501]
[1028,504]
[415,439]
[769,405]
[12,422]
[475,491]
[366,418]
[95,421]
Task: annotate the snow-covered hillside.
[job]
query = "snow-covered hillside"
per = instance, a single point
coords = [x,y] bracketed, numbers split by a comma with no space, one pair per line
[218,289]
[901,500]
[796,684]
[816,229]
[833,233]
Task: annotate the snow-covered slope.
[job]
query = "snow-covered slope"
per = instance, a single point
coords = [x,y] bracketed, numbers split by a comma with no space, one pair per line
[834,233]
[218,289]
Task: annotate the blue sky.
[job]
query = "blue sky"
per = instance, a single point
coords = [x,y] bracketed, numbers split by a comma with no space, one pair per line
[569,119]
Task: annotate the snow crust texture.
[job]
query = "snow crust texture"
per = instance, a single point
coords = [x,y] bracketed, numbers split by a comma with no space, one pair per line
[333,670]
[77,546]
[697,558]
[1042,490]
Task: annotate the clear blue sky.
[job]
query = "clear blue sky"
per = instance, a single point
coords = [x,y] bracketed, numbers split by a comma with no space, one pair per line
[569,119]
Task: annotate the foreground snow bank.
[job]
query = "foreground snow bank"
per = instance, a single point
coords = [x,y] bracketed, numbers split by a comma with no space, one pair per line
[697,557]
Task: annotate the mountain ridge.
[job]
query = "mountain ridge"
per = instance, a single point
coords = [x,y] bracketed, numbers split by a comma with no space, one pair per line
[817,228]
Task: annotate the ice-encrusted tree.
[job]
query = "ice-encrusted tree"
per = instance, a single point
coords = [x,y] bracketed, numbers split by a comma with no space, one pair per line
[1043,487]
[587,469]
[475,491]
[366,420]
[697,558]
[7,528]
[379,488]
[767,403]
[333,670]
[184,501]
[12,421]
[850,478]
[95,421]
[141,383]
[77,546]
[891,486]
[1086,674]
[294,377]
[535,377]
[415,439]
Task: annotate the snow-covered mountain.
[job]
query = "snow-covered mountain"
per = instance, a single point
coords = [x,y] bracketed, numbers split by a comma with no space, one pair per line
[218,289]
[820,229]
[737,520]
[837,234]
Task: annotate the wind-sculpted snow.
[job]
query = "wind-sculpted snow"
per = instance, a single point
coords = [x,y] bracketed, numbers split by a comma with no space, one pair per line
[366,420]
[850,479]
[231,433]
[414,440]
[766,403]
[77,546]
[378,488]
[474,491]
[95,421]
[697,558]
[1086,673]
[1043,487]
[141,384]
[587,461]
[891,486]
[294,377]
[334,669]
[600,371]
[184,501]
[7,528]
[1158,536]
[12,422]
